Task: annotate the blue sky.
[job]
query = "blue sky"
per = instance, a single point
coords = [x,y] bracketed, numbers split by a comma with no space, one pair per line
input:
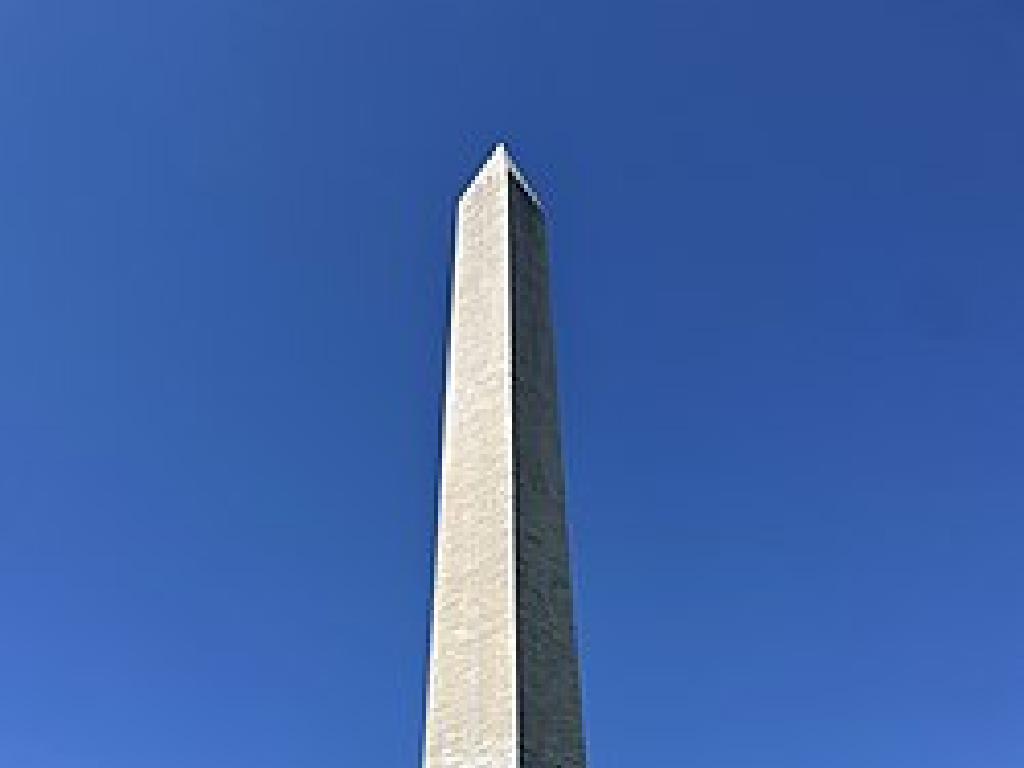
[787,247]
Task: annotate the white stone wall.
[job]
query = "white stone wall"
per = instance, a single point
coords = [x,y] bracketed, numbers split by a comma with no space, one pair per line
[471,710]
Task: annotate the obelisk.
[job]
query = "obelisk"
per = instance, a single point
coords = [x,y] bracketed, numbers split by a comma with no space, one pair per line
[503,688]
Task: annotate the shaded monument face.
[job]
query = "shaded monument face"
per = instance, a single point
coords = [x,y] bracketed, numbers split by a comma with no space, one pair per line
[503,688]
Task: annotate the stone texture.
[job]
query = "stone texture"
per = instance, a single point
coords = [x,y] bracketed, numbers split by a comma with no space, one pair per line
[551,729]
[503,686]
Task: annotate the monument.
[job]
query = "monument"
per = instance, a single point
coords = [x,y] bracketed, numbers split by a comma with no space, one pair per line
[503,687]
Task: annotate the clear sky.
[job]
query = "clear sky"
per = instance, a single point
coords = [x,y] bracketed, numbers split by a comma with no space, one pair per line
[788,272]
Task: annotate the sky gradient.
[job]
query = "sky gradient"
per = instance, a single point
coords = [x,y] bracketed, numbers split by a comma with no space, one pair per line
[787,252]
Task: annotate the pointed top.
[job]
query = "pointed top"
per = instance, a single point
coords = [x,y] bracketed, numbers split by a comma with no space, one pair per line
[500,161]
[514,170]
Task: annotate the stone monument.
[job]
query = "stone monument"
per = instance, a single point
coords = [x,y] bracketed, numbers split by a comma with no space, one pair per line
[503,688]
